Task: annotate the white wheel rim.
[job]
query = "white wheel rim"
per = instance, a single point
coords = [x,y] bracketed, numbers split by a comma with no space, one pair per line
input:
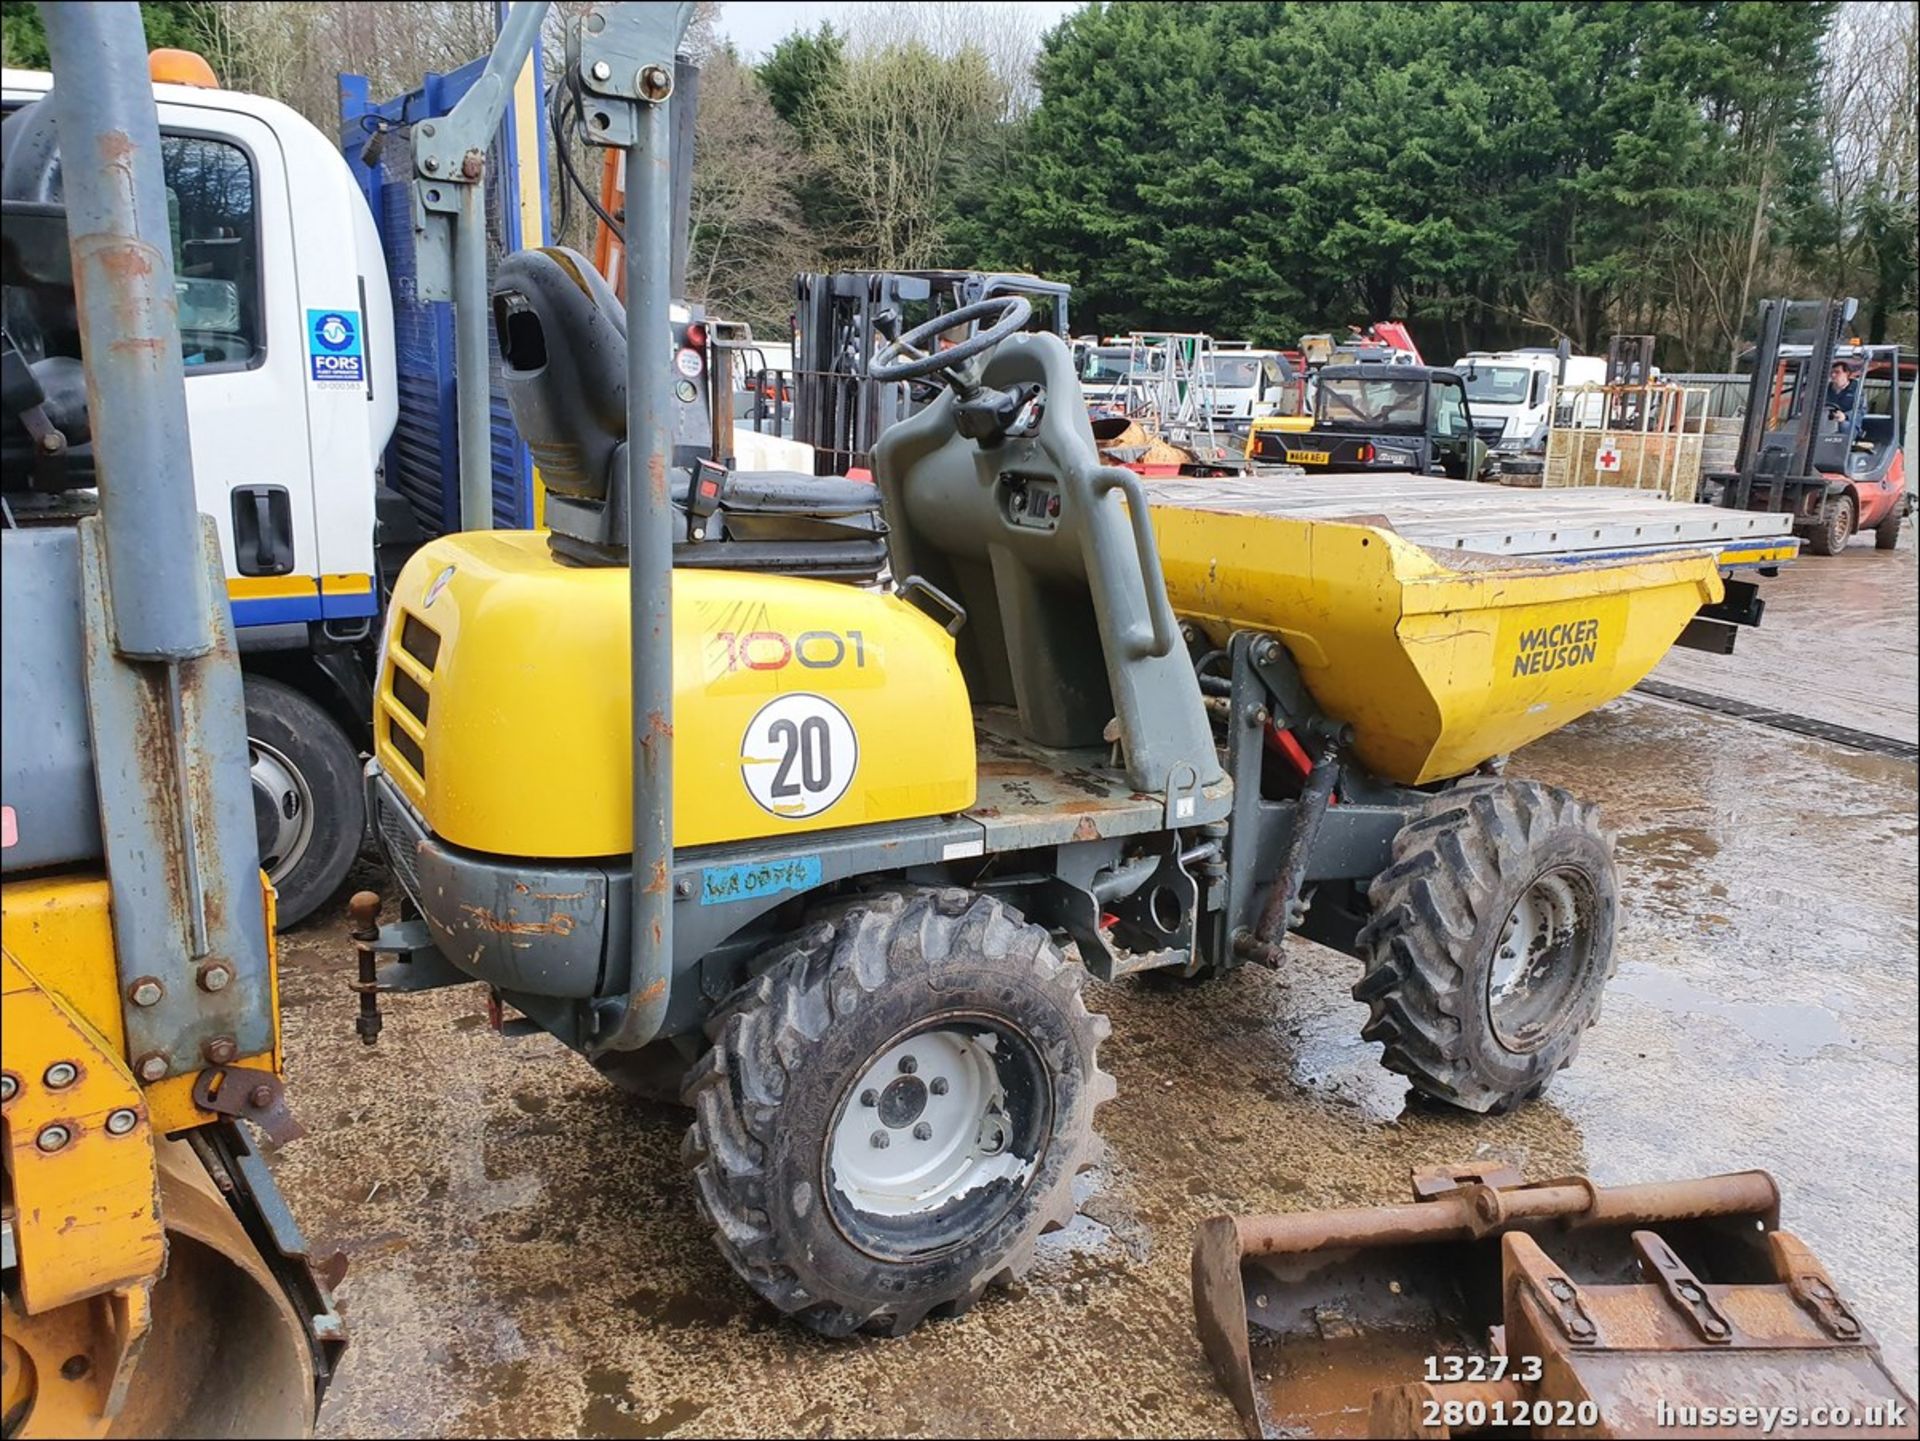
[924,1125]
[280,783]
[1539,961]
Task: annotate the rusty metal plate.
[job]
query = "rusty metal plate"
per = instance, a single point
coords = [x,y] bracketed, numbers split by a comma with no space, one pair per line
[1029,795]
[176,810]
[249,1095]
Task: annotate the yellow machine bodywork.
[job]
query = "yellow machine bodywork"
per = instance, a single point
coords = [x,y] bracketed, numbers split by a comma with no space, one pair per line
[1436,667]
[503,710]
[1295,424]
[128,1257]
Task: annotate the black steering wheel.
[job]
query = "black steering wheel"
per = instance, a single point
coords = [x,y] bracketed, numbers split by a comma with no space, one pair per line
[1008,312]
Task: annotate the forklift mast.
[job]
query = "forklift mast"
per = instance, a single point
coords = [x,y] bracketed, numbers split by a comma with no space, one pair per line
[836,408]
[1781,440]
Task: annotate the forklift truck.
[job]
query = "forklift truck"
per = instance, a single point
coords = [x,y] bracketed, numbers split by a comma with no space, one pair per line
[1836,470]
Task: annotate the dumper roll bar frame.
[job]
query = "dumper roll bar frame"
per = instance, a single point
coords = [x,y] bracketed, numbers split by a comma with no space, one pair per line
[625,56]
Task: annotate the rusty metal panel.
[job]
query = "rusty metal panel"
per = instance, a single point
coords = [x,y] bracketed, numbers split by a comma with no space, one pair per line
[80,1153]
[176,809]
[537,929]
[1029,796]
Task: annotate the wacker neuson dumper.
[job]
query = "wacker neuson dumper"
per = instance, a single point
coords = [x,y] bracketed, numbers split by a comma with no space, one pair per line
[825,843]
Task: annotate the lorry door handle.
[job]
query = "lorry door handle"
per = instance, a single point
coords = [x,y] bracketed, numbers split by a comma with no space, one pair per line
[263,535]
[262,529]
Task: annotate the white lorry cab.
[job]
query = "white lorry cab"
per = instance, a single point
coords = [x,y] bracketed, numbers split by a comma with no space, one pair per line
[1511,391]
[1103,372]
[1246,383]
[287,334]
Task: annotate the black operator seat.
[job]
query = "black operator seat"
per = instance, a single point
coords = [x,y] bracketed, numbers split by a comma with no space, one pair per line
[563,350]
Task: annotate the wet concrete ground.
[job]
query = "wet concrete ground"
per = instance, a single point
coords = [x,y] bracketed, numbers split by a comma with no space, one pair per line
[1825,643]
[526,1257]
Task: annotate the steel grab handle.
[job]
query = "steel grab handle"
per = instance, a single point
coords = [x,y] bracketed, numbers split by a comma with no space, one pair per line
[1159,608]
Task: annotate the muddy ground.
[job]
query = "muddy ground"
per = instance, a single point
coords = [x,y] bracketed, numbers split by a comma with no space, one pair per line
[526,1257]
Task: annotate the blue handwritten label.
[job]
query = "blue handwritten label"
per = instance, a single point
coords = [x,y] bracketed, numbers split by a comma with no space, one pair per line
[720,884]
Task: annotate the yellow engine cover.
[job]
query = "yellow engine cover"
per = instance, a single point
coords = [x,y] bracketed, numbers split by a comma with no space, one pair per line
[504,711]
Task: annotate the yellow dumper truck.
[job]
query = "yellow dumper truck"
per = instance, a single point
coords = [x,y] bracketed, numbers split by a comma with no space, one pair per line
[827,857]
[826,850]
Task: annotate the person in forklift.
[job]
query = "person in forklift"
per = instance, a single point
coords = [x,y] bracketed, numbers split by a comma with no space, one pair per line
[1842,395]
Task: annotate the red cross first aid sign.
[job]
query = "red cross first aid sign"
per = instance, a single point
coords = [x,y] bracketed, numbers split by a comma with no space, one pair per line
[1607,457]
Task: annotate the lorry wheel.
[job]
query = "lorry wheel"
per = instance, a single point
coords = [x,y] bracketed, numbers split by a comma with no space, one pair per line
[1490,940]
[308,809]
[1835,527]
[894,1109]
[1886,535]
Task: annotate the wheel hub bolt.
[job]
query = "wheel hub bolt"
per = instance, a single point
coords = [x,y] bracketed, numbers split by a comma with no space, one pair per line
[923,1132]
[938,1085]
[122,1121]
[61,1073]
[869,1097]
[52,1138]
[881,1140]
[908,1065]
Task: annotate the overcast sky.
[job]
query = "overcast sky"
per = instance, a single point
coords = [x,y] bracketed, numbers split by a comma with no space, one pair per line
[756,26]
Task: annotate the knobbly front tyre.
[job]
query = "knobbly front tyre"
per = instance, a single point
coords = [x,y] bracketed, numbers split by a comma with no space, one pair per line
[1489,941]
[893,1111]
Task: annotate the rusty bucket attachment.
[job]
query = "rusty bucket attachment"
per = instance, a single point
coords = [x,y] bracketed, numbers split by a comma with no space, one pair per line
[1562,1308]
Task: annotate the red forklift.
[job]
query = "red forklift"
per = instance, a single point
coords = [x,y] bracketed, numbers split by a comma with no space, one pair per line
[1821,440]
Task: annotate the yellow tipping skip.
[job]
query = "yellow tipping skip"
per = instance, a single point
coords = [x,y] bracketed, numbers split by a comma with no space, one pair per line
[1436,667]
